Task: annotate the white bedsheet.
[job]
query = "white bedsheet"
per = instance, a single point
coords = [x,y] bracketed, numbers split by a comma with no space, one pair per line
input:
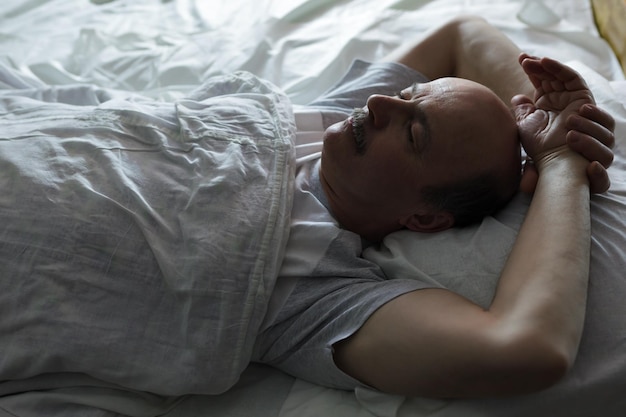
[165,48]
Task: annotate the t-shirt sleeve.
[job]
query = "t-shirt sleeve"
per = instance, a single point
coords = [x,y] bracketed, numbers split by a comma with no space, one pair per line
[342,292]
[361,81]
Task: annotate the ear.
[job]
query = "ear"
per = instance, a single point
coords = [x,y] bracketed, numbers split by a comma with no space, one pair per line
[428,223]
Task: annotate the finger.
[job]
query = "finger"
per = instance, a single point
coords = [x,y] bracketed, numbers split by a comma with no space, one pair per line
[595,113]
[589,127]
[522,106]
[522,56]
[548,75]
[521,99]
[533,69]
[530,176]
[561,72]
[598,177]
[590,148]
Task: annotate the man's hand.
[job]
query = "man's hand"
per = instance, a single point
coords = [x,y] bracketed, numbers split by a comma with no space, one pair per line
[562,113]
[559,93]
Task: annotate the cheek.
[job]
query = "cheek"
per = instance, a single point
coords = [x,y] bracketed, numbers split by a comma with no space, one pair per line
[390,175]
[385,174]
[393,160]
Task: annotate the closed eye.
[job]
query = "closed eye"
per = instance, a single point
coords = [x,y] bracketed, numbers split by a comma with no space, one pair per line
[424,135]
[405,95]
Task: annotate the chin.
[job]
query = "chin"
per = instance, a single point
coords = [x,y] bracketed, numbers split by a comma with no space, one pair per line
[336,131]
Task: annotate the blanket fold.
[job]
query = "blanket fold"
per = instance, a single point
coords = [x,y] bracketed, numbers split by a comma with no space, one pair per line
[140,240]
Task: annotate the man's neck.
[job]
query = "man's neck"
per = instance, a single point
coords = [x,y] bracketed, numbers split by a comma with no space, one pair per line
[316,186]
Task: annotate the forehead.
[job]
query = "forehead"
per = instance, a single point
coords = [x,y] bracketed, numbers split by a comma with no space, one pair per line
[452,106]
[448,88]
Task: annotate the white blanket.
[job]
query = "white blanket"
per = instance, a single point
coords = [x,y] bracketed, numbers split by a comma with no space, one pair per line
[139,240]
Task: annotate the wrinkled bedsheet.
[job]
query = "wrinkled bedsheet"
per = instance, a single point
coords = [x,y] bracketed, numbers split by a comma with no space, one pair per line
[139,240]
[164,49]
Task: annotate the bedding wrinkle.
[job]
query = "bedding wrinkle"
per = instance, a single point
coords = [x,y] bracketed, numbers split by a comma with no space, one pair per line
[108,146]
[126,235]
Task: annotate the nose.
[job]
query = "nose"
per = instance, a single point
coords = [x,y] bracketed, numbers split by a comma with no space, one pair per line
[383,109]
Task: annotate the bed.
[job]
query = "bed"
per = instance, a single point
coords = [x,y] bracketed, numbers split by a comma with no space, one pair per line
[161,51]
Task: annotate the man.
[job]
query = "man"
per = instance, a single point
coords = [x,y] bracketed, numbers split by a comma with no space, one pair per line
[431,342]
[333,317]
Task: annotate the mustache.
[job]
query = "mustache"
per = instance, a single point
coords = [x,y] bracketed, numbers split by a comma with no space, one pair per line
[358,118]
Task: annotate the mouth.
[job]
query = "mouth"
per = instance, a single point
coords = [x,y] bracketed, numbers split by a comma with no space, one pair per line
[357,120]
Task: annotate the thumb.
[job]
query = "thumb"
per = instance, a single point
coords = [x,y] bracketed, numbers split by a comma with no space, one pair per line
[522,107]
[530,177]
[531,121]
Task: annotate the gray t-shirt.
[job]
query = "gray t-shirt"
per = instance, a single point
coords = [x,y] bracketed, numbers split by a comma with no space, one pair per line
[341,289]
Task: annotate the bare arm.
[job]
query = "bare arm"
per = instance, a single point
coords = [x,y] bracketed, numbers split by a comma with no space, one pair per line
[435,343]
[467,47]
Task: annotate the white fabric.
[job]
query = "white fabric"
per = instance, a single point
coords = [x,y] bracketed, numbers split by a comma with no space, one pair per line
[165,49]
[312,227]
[310,130]
[143,239]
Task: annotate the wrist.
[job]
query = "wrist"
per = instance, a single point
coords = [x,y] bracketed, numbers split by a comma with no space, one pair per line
[562,159]
[563,170]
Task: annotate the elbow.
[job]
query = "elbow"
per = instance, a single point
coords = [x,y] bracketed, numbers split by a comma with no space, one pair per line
[546,369]
[533,363]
